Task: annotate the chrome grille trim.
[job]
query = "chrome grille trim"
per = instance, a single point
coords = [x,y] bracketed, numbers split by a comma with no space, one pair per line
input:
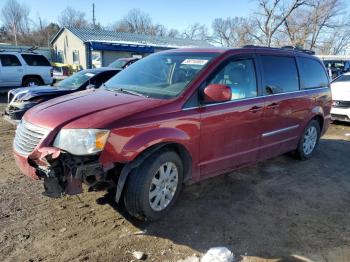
[27,137]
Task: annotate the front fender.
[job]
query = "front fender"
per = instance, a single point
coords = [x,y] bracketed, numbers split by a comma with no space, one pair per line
[123,148]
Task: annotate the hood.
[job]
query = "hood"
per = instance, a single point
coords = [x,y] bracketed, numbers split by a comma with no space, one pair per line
[88,109]
[27,93]
[341,91]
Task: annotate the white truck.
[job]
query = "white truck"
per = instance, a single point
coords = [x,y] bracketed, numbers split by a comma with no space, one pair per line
[24,69]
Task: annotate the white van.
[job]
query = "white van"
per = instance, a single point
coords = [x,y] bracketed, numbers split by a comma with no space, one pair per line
[341,98]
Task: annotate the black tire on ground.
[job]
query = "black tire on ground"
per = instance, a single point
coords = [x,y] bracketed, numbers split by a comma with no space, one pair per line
[300,151]
[32,81]
[137,188]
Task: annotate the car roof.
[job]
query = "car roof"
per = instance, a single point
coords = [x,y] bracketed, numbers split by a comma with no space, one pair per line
[128,58]
[251,48]
[100,70]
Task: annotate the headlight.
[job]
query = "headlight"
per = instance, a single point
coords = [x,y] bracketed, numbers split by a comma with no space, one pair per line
[81,141]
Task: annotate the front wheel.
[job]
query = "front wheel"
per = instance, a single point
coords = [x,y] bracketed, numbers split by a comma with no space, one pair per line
[32,81]
[309,140]
[153,187]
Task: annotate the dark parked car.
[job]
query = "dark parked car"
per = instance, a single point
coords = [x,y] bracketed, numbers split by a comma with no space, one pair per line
[176,117]
[122,63]
[21,99]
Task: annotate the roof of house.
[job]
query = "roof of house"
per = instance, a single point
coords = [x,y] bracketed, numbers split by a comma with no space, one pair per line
[91,35]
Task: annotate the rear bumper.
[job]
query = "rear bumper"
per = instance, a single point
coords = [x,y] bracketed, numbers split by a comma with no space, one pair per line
[341,114]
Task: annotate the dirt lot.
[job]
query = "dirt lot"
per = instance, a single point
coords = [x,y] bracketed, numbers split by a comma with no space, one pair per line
[279,210]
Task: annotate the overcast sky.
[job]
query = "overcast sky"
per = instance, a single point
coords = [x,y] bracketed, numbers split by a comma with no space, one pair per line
[173,14]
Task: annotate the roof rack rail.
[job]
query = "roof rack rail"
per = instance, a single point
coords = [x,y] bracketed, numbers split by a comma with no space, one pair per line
[289,47]
[254,46]
[296,48]
[21,50]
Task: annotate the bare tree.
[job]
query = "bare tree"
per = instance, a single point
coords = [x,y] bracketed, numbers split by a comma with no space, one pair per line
[321,17]
[136,22]
[236,31]
[173,33]
[271,16]
[72,18]
[311,25]
[15,17]
[139,22]
[196,31]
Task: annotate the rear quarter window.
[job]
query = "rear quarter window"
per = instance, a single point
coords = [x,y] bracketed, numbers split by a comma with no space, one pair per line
[9,60]
[280,74]
[36,60]
[312,73]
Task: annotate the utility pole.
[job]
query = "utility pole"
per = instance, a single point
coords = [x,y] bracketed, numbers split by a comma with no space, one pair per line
[93,16]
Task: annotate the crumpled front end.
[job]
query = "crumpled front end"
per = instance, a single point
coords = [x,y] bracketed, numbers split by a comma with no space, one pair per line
[62,172]
[16,107]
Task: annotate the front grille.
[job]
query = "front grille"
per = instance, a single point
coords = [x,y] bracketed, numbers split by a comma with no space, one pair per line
[27,137]
[341,104]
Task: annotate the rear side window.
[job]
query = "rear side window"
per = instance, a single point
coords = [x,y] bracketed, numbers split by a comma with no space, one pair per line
[36,60]
[312,73]
[9,60]
[280,74]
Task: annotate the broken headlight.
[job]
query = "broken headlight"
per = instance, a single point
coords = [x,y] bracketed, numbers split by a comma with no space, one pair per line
[81,141]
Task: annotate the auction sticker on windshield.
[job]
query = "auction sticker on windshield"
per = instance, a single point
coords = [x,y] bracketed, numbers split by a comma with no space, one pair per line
[89,74]
[194,62]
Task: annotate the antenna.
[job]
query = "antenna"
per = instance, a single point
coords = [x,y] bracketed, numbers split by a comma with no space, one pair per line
[93,16]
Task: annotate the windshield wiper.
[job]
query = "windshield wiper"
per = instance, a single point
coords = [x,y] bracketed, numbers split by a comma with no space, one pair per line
[127,91]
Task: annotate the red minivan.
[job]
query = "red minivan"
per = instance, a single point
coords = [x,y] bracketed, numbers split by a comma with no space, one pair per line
[176,117]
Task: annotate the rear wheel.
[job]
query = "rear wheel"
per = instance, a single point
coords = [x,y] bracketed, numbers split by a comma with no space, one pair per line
[153,187]
[309,141]
[32,81]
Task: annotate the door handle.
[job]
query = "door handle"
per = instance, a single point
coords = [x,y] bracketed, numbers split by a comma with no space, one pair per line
[272,106]
[255,109]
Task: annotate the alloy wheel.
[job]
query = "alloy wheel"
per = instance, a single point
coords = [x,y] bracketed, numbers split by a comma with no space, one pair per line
[310,140]
[163,186]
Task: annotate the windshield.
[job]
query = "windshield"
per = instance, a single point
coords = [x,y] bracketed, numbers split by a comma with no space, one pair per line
[75,81]
[342,78]
[161,75]
[120,63]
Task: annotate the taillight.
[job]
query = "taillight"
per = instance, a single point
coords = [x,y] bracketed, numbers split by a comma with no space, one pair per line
[65,73]
[51,72]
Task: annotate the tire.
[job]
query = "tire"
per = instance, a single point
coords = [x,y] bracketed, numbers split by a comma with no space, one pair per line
[31,81]
[140,195]
[308,141]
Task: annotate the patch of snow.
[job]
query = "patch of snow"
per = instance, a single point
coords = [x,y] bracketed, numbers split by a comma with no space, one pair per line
[218,254]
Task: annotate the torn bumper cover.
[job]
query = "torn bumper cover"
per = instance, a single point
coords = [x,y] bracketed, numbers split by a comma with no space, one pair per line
[62,173]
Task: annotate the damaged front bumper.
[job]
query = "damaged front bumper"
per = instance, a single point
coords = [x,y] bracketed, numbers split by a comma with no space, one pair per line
[64,173]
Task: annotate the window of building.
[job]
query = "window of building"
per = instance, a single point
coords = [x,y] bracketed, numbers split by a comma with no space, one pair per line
[76,59]
[59,56]
[280,74]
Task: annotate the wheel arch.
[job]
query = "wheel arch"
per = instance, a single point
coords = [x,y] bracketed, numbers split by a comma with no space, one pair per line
[32,76]
[318,115]
[180,149]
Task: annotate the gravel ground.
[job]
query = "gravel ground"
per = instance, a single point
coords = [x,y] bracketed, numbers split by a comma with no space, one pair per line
[278,210]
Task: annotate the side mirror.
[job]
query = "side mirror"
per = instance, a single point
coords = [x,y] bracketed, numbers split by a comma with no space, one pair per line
[90,86]
[217,93]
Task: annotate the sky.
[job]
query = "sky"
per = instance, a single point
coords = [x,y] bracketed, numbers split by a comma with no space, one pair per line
[176,14]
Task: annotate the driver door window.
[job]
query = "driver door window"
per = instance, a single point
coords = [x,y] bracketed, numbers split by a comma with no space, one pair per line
[240,76]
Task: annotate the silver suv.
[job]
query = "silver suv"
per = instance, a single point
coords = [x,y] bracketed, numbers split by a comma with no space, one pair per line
[24,69]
